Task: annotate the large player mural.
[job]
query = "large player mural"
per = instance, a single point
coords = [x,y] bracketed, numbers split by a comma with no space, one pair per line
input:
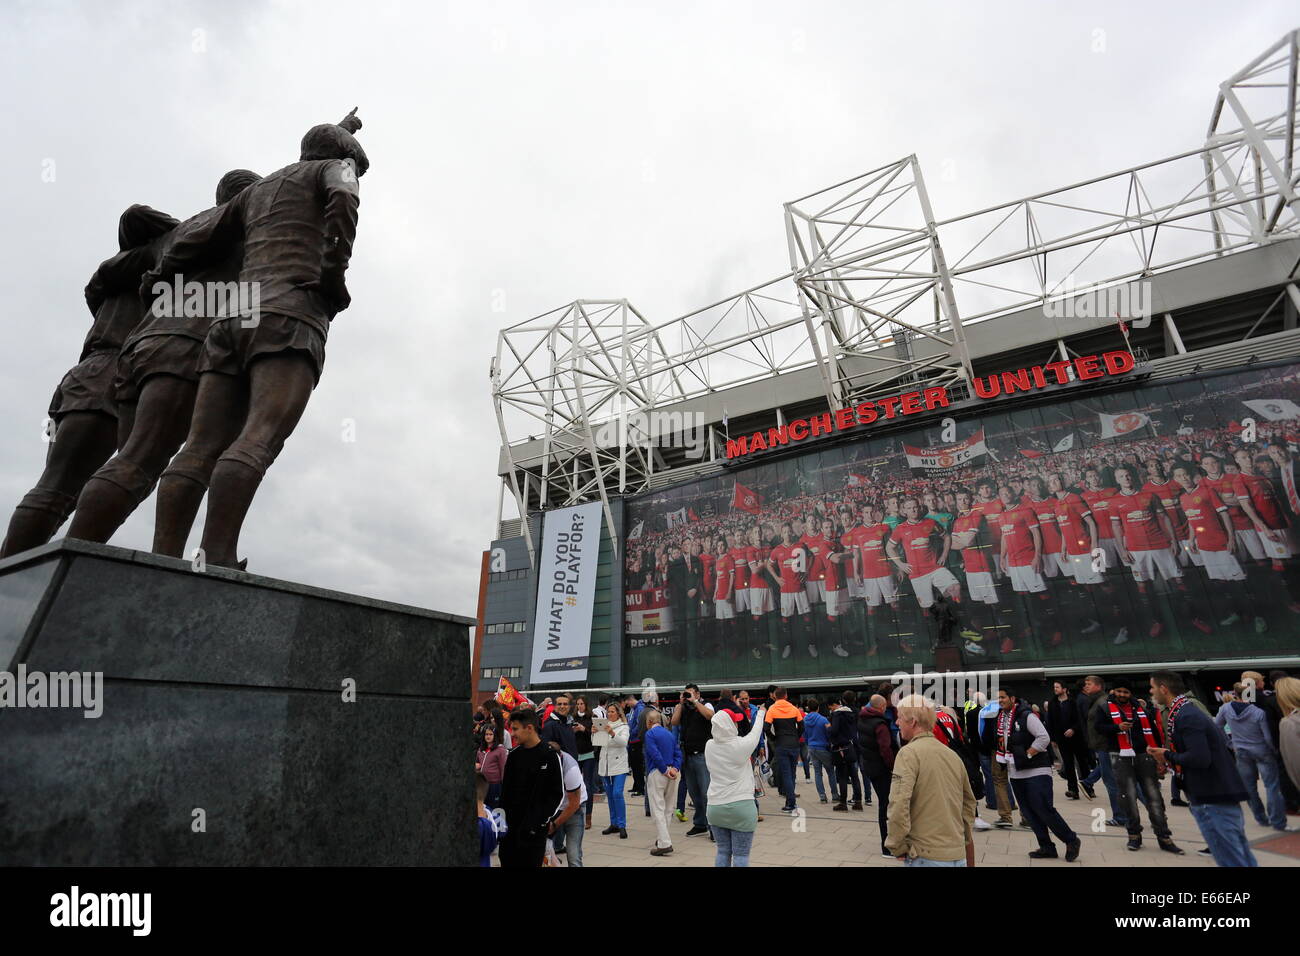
[1156,523]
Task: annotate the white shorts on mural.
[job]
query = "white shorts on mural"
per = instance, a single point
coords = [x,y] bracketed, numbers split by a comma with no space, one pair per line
[796,603]
[815,591]
[927,585]
[760,600]
[1025,579]
[1279,548]
[723,610]
[836,601]
[1109,546]
[1147,563]
[741,599]
[981,587]
[1248,539]
[1186,555]
[1081,569]
[1221,566]
[880,591]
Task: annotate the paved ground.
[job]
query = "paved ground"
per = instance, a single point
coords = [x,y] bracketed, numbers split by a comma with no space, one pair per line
[822,837]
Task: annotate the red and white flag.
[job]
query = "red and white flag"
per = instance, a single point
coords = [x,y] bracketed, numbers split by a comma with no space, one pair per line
[746,500]
[1113,426]
[858,481]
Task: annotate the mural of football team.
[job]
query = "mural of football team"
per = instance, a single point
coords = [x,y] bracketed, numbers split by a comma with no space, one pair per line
[1155,523]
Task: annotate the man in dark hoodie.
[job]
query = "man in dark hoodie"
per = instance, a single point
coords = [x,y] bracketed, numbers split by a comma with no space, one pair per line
[84,409]
[1065,727]
[1198,751]
[876,757]
[1130,732]
[842,737]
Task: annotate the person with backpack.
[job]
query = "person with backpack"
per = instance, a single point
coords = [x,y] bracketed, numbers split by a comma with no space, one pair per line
[876,758]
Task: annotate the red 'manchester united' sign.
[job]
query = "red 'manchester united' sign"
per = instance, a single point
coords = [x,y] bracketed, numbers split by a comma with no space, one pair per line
[1036,377]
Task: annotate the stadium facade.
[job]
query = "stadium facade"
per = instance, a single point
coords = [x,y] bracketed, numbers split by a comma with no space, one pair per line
[1052,437]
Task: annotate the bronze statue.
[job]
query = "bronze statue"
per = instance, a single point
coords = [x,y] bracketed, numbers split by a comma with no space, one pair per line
[157,380]
[297,227]
[84,409]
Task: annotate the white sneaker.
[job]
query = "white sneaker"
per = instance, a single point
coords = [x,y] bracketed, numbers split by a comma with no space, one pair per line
[1121,637]
[812,650]
[974,649]
[981,824]
[1091,627]
[840,651]
[785,652]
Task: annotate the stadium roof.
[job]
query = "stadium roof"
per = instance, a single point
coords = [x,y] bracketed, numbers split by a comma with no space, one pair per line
[882,295]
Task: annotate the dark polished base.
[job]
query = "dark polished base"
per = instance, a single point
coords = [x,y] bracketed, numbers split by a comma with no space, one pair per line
[225,737]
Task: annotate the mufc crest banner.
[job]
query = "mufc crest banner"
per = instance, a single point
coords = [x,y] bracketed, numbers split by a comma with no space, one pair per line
[931,461]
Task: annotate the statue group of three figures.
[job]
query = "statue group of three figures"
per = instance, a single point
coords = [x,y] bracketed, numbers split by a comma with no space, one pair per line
[198,396]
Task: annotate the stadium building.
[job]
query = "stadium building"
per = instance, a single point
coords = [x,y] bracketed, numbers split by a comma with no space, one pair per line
[1053,437]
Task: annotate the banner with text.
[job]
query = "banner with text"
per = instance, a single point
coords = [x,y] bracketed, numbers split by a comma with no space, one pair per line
[566,589]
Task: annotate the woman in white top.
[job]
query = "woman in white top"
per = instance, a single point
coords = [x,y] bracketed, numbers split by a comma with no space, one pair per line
[613,770]
[733,812]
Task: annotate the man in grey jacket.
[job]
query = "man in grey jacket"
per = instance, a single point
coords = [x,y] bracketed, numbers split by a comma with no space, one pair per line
[1255,750]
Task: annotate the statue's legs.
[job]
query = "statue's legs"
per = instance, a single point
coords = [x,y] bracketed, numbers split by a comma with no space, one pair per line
[279,386]
[156,426]
[82,442]
[219,411]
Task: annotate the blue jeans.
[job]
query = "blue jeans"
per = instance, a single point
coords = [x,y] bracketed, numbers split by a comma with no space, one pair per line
[696,777]
[1252,765]
[569,836]
[1224,827]
[990,791]
[588,768]
[922,861]
[786,760]
[1106,773]
[823,759]
[733,846]
[616,799]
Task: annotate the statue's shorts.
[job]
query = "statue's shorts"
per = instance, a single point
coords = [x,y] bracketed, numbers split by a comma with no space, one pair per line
[230,348]
[176,355]
[88,386]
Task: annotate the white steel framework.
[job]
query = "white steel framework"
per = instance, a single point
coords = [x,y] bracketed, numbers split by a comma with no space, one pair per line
[880,292]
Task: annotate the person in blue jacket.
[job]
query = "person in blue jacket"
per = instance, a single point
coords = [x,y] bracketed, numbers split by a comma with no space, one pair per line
[663,765]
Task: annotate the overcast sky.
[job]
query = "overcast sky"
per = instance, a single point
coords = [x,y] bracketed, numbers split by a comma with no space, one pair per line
[529,154]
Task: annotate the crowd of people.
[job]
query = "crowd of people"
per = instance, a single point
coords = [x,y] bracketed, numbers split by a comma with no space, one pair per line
[541,770]
[1154,538]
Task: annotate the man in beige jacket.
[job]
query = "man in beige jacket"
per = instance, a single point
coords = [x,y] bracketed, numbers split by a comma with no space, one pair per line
[931,806]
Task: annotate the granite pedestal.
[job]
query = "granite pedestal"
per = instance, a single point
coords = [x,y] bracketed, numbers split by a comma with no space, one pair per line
[225,737]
